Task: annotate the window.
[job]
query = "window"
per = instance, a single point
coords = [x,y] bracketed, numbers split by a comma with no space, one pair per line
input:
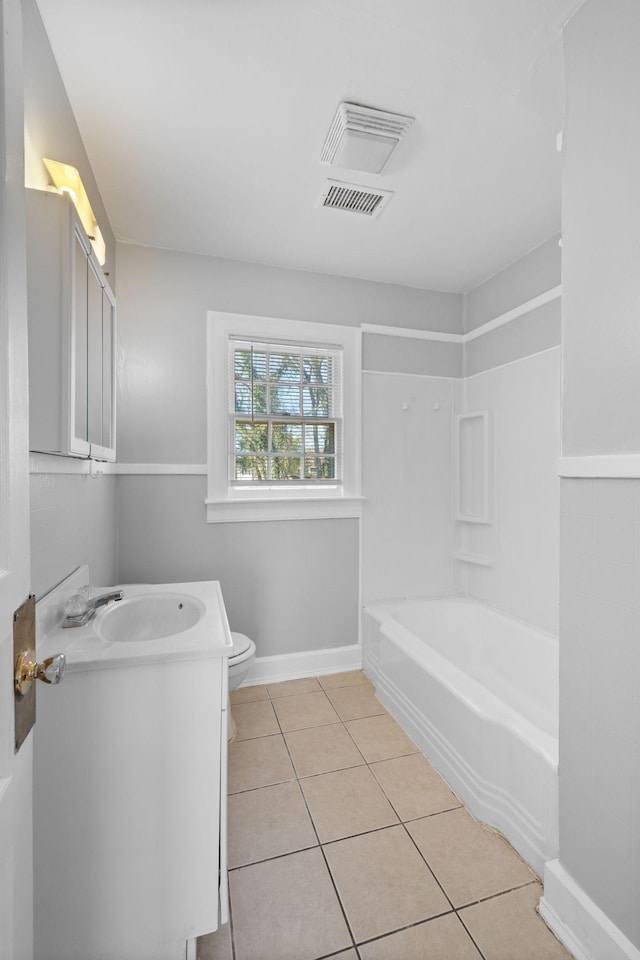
[284,418]
[285,412]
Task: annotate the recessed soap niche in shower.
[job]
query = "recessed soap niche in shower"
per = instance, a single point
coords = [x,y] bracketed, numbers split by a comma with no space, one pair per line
[471,467]
[475,529]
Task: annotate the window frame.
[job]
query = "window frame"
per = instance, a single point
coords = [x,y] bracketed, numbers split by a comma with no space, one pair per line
[228,502]
[266,384]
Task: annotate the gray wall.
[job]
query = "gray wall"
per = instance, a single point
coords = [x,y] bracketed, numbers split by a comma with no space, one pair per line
[406,355]
[522,280]
[599,683]
[72,522]
[292,585]
[162,305]
[533,332]
[600,569]
[540,329]
[73,518]
[601,240]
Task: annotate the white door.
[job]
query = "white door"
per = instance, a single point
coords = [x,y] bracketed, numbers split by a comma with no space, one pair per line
[16,845]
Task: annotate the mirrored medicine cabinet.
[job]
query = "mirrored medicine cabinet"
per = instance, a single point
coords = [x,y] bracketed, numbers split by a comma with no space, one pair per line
[72,325]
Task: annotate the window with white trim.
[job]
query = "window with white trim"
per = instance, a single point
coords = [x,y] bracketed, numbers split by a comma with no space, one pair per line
[283,418]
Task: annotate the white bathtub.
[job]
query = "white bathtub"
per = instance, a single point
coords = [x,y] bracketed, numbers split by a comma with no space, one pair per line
[478,692]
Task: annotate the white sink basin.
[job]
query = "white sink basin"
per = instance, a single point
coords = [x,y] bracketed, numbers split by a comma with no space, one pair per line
[148,617]
[154,623]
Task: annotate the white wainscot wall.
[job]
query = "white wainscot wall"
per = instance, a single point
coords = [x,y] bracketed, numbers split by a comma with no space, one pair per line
[407,484]
[519,545]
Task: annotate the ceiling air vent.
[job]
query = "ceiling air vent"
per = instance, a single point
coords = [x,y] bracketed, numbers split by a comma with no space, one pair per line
[361,138]
[353,198]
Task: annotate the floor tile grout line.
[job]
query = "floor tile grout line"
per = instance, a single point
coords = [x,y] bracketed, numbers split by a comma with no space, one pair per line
[407,926]
[369,765]
[493,896]
[500,893]
[231,929]
[322,844]
[276,783]
[403,823]
[278,856]
[338,718]
[339,899]
[343,724]
[328,868]
[455,911]
[473,903]
[361,833]
[470,935]
[359,683]
[377,830]
[338,953]
[323,773]
[397,812]
[365,833]
[429,867]
[295,772]
[358,766]
[269,736]
[313,726]
[297,777]
[290,853]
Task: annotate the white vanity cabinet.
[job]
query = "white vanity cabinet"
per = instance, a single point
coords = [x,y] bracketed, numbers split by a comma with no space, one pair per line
[72,326]
[130,784]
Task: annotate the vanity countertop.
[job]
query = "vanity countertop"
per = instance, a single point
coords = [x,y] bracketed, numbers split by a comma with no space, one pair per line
[86,649]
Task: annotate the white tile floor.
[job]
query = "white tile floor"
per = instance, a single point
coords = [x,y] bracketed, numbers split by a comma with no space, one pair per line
[344,842]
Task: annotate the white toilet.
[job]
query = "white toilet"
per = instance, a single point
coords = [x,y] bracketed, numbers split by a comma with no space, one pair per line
[240,662]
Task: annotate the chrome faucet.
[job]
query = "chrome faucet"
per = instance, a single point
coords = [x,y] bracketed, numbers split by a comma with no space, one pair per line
[92,606]
[106,598]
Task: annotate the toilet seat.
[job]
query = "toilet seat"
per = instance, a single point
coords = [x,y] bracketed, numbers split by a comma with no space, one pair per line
[240,662]
[243,648]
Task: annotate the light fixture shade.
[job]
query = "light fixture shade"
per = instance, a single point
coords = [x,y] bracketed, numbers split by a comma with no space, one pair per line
[67,179]
[363,151]
[362,138]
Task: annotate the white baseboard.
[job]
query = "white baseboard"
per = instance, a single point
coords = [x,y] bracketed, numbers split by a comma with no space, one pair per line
[586,932]
[311,663]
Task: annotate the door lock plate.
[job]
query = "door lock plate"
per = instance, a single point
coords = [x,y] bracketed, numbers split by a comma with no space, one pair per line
[24,646]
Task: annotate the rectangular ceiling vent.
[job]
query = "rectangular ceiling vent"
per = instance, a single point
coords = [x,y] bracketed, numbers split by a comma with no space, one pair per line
[362,138]
[354,198]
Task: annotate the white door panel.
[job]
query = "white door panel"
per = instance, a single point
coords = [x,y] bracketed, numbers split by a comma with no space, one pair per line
[16,845]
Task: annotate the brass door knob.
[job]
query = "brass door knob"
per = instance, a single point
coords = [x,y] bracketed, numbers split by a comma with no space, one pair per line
[27,670]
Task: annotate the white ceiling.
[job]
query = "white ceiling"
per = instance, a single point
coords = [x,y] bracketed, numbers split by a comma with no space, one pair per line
[204,121]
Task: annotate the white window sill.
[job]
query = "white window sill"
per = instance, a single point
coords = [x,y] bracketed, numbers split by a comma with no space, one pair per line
[277,508]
